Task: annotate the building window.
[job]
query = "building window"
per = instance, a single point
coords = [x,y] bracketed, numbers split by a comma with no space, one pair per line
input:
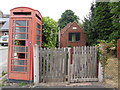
[74,27]
[74,37]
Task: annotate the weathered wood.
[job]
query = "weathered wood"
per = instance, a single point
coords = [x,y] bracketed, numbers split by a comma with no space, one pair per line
[69,69]
[55,64]
[83,67]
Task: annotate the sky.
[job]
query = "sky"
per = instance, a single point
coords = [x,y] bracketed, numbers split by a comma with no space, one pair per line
[51,8]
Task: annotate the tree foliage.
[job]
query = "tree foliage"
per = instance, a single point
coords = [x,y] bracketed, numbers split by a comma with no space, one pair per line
[49,32]
[115,10]
[102,22]
[66,17]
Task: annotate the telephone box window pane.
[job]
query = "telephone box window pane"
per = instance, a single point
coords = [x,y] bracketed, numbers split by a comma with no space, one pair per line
[38,42]
[20,49]
[19,62]
[19,69]
[38,25]
[20,55]
[38,32]
[21,23]
[37,37]
[21,29]
[21,36]
[19,42]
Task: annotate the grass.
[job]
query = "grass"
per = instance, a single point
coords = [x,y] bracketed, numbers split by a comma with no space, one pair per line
[111,72]
[22,84]
[3,73]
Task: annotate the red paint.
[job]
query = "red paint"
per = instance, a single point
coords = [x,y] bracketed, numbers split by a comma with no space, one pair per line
[97,65]
[71,55]
[118,49]
[30,19]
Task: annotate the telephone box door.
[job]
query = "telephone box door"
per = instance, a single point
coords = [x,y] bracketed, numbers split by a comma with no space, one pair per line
[20,45]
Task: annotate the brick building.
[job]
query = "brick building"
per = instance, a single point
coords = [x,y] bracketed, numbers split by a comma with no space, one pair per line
[72,35]
[4,23]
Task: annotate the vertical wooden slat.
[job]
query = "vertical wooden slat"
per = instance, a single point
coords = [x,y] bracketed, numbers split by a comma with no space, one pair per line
[40,51]
[95,62]
[69,66]
[74,63]
[87,61]
[43,65]
[90,64]
[77,62]
[85,58]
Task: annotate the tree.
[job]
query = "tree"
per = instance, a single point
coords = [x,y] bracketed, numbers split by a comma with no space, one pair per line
[99,24]
[115,10]
[49,32]
[103,21]
[89,27]
[66,17]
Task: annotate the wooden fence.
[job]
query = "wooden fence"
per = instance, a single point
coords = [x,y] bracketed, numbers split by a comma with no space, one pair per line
[60,64]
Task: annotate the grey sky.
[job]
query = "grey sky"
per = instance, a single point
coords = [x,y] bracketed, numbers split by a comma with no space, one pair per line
[51,8]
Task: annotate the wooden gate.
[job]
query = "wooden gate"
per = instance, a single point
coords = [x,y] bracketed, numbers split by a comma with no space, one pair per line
[53,64]
[84,64]
[61,64]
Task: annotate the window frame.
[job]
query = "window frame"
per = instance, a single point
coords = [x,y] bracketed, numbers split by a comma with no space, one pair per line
[73,33]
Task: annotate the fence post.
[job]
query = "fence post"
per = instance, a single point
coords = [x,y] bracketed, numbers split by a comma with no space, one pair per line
[69,59]
[36,63]
[118,48]
[100,72]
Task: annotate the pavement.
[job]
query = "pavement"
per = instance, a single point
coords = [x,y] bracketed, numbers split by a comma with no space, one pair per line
[74,85]
[3,58]
[88,85]
[81,85]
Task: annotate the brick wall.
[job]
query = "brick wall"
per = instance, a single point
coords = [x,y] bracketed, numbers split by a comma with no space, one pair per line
[64,42]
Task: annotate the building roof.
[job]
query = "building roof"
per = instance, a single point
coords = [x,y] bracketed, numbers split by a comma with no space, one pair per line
[67,27]
[5,26]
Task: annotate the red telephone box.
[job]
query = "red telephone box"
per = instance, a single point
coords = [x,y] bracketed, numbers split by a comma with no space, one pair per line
[25,30]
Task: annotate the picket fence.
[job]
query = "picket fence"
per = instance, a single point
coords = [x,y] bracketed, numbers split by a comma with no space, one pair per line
[66,64]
